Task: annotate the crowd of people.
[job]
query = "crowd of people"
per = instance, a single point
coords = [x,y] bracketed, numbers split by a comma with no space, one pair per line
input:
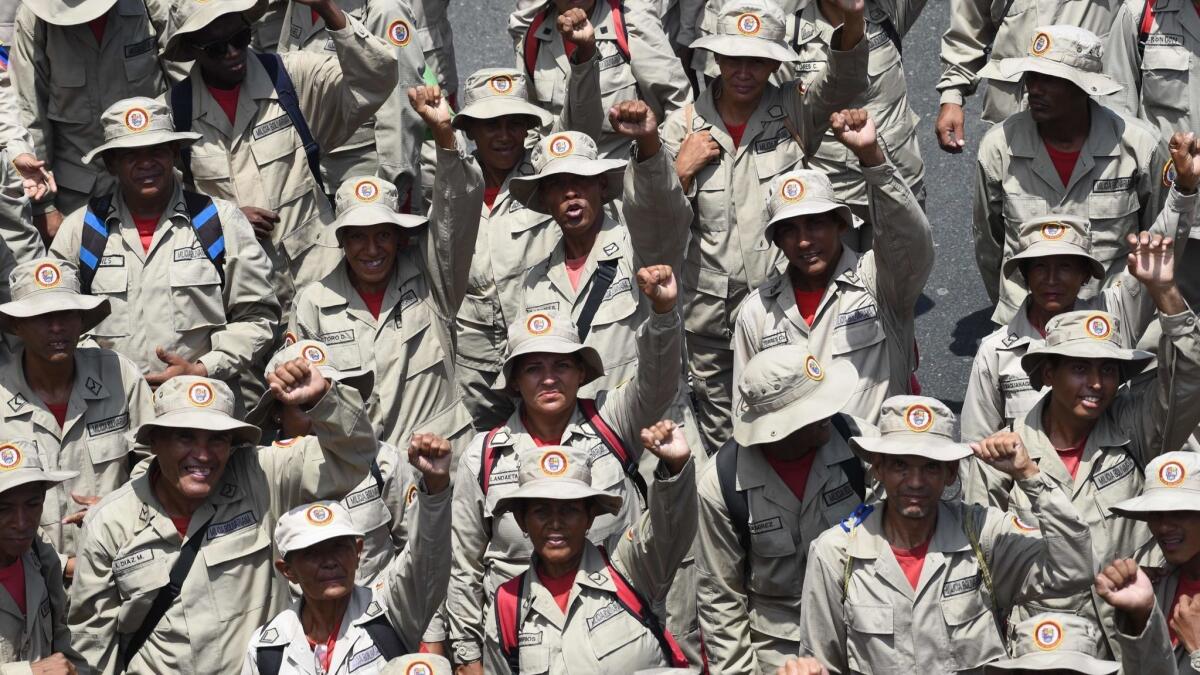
[314,361]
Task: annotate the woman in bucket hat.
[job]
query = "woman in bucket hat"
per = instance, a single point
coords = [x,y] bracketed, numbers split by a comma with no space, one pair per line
[77,404]
[202,515]
[590,603]
[920,585]
[1088,433]
[546,368]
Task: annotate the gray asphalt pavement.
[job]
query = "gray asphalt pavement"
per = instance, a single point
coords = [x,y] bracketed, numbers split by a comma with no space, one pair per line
[953,315]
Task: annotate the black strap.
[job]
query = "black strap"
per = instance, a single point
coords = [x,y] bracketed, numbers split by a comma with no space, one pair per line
[385,637]
[206,223]
[166,595]
[92,240]
[377,475]
[270,659]
[181,113]
[893,34]
[853,467]
[291,105]
[606,271]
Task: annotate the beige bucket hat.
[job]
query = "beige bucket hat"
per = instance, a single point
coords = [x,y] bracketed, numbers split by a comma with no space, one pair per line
[556,472]
[20,465]
[801,193]
[1066,52]
[319,355]
[497,92]
[363,201]
[1172,484]
[68,12]
[785,388]
[1055,235]
[568,152]
[547,333]
[311,524]
[192,402]
[1053,641]
[137,123]
[47,285]
[417,664]
[915,425]
[192,16]
[750,28]
[1088,334]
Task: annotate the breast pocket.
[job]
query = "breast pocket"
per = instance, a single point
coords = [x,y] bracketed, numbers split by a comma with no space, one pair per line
[707,309]
[971,629]
[535,659]
[870,639]
[774,155]
[138,574]
[195,292]
[212,168]
[617,639]
[109,451]
[1165,77]
[276,154]
[112,282]
[883,55]
[1113,216]
[479,332]
[862,344]
[140,61]
[774,564]
[421,344]
[616,77]
[235,563]
[66,100]
[712,201]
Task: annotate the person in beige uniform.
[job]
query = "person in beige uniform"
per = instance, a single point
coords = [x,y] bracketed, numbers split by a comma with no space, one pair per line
[210,499]
[33,629]
[71,60]
[388,145]
[547,366]
[1110,168]
[920,585]
[180,304]
[252,152]
[24,179]
[389,306]
[573,609]
[432,19]
[1054,642]
[76,404]
[1089,435]
[788,475]
[840,305]
[726,179]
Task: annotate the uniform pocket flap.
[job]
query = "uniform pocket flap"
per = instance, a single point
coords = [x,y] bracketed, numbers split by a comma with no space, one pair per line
[964,609]
[239,536]
[273,145]
[1166,58]
[712,282]
[1112,205]
[870,619]
[194,271]
[610,627]
[770,538]
[210,167]
[113,444]
[859,335]
[110,280]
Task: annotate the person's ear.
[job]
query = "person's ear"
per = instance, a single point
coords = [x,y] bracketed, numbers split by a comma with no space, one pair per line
[285,569]
[358,546]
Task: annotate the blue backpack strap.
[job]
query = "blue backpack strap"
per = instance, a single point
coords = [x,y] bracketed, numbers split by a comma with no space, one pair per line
[291,105]
[93,240]
[181,114]
[207,225]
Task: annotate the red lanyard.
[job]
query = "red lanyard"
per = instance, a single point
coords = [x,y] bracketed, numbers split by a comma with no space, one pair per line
[324,659]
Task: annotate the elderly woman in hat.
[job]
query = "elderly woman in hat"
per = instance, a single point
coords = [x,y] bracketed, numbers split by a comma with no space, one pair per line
[1087,432]
[76,404]
[174,570]
[546,368]
[389,305]
[921,585]
[590,604]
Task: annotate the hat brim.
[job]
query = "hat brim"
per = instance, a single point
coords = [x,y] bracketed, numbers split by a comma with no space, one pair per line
[1133,360]
[558,490]
[200,419]
[1045,249]
[376,214]
[1065,660]
[809,208]
[493,107]
[924,445]
[525,188]
[94,308]
[1157,500]
[749,47]
[362,380]
[209,12]
[67,13]
[26,476]
[827,399]
[155,137]
[1013,69]
[593,366]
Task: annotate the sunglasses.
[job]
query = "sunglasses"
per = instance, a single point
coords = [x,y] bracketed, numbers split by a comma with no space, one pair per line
[218,48]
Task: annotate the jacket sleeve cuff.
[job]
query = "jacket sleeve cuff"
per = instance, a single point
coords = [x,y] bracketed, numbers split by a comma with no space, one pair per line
[879,175]
[953,95]
[217,364]
[466,652]
[1178,325]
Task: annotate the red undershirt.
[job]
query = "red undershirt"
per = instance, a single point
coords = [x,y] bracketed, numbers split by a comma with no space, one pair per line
[1188,587]
[181,525]
[330,643]
[1064,162]
[735,132]
[570,48]
[794,472]
[59,411]
[1070,456]
[13,579]
[145,228]
[373,300]
[559,587]
[575,270]
[912,561]
[807,302]
[98,26]
[227,99]
[315,17]
[539,442]
[490,194]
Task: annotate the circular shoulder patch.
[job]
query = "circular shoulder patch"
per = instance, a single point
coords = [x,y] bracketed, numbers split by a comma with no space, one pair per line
[418,668]
[560,146]
[1022,526]
[289,339]
[399,33]
[366,191]
[749,24]
[792,190]
[137,119]
[1041,44]
[1168,174]
[10,457]
[918,417]
[538,324]
[319,515]
[1053,231]
[201,394]
[1171,474]
[411,495]
[286,442]
[501,84]
[812,368]
[1098,327]
[1047,635]
[47,275]
[314,355]
[554,463]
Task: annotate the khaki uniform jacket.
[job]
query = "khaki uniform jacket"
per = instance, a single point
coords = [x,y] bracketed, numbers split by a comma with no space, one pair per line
[42,630]
[982,31]
[437,40]
[1117,184]
[389,144]
[410,346]
[383,507]
[727,255]
[1151,651]
[874,622]
[1152,417]
[129,545]
[596,635]
[258,160]
[408,594]
[21,240]
[172,296]
[488,552]
[652,73]
[749,607]
[109,400]
[885,97]
[65,81]
[866,316]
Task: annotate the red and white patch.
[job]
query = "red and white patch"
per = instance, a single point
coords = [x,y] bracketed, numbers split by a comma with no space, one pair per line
[1041,44]
[47,275]
[749,24]
[1047,635]
[137,119]
[1168,174]
[314,355]
[560,146]
[792,190]
[1022,526]
[10,457]
[538,324]
[918,417]
[289,339]
[1098,327]
[1171,474]
[366,191]
[201,394]
[812,368]
[418,668]
[554,463]
[1053,231]
[399,33]
[319,515]
[501,84]
[411,495]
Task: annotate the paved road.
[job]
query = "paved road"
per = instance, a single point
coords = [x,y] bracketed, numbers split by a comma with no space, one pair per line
[954,312]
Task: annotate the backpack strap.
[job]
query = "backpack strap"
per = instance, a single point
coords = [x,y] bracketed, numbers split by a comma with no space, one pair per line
[377,475]
[92,240]
[487,460]
[853,468]
[270,659]
[614,444]
[181,114]
[633,602]
[508,608]
[290,102]
[735,500]
[606,271]
[985,570]
[532,44]
[207,225]
[1145,26]
[617,9]
[889,28]
[386,639]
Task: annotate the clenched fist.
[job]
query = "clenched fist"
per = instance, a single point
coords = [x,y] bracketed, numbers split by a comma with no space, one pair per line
[657,282]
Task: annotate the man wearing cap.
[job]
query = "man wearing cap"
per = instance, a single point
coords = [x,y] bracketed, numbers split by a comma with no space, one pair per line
[1066,154]
[840,305]
[71,60]
[174,568]
[1055,642]
[788,475]
[186,280]
[258,146]
[741,134]
[33,605]
[77,404]
[1087,433]
[389,306]
[920,585]
[337,625]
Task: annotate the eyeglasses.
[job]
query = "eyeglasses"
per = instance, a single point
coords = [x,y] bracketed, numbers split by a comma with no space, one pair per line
[218,48]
